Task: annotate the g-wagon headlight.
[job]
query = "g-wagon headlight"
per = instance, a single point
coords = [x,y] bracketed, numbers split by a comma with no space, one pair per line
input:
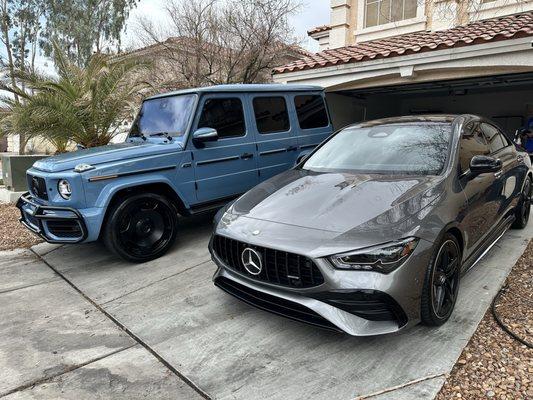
[64,189]
[384,258]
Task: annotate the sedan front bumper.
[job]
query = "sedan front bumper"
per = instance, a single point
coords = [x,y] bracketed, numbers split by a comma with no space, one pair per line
[359,303]
[53,224]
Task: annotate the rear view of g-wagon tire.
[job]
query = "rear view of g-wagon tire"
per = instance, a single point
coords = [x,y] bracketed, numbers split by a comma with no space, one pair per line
[141,227]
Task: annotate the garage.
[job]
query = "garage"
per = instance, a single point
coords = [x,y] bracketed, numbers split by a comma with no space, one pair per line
[506,99]
[484,67]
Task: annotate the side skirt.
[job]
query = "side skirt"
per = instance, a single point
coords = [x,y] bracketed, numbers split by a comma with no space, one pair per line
[492,240]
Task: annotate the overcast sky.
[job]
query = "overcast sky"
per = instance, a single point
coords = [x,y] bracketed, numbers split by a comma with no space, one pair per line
[313,13]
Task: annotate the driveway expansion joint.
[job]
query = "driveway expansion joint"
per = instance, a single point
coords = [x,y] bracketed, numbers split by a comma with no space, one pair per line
[401,386]
[154,282]
[126,330]
[45,379]
[57,279]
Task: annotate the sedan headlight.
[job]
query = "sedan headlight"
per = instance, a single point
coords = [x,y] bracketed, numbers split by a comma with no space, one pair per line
[64,189]
[384,258]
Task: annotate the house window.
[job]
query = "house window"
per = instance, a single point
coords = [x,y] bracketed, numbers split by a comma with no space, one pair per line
[379,12]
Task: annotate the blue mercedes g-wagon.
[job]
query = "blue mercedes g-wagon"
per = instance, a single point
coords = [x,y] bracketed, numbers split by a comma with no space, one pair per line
[187,151]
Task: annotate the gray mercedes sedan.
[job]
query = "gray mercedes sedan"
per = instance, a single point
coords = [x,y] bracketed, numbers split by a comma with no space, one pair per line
[372,231]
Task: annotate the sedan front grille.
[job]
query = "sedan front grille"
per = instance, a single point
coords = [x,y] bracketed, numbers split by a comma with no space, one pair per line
[279,267]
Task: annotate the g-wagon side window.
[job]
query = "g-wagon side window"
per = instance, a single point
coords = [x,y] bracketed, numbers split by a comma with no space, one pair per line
[494,137]
[271,114]
[226,115]
[311,111]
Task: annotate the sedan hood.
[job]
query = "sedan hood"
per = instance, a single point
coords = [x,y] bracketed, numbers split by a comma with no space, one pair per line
[105,154]
[338,202]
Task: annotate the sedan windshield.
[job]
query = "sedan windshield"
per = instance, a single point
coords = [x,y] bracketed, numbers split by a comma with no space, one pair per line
[165,115]
[418,149]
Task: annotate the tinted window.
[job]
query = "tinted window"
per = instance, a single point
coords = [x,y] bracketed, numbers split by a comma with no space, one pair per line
[420,149]
[271,114]
[311,111]
[224,115]
[472,144]
[167,114]
[494,138]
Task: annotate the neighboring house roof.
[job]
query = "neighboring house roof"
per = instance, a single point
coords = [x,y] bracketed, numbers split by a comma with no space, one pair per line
[254,87]
[490,30]
[319,29]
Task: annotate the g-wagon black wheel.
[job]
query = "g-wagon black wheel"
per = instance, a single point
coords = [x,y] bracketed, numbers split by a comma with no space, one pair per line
[441,283]
[141,228]
[524,206]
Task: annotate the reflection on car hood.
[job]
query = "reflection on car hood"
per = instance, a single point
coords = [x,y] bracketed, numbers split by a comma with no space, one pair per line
[338,202]
[104,154]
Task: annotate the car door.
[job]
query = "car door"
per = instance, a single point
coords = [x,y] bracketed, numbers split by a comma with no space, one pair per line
[508,178]
[226,167]
[274,135]
[313,120]
[481,205]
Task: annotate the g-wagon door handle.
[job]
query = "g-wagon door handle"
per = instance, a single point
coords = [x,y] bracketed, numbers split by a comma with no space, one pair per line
[246,155]
[292,148]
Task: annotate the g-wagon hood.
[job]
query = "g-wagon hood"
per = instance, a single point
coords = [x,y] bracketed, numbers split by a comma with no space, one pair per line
[105,154]
[338,202]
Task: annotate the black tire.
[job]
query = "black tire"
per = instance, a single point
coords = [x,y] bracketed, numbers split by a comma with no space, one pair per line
[524,206]
[443,271]
[140,227]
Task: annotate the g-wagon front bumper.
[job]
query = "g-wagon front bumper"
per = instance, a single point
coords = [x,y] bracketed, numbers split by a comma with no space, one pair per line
[53,224]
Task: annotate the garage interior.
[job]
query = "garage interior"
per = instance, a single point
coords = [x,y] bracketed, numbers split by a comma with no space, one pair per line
[506,99]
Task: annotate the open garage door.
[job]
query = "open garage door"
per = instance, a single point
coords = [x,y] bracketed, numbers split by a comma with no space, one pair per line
[506,99]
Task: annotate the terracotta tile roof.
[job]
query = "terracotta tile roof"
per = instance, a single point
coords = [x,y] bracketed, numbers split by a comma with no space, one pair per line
[490,30]
[318,29]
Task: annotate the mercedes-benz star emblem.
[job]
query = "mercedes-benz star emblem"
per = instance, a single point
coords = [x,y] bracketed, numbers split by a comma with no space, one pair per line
[251,260]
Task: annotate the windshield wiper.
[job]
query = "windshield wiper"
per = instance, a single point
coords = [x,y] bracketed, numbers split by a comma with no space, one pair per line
[165,134]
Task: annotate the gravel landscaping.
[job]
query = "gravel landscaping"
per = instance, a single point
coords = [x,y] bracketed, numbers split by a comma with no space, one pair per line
[12,234]
[493,364]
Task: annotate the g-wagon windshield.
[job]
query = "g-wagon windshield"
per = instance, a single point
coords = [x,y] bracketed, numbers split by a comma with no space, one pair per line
[165,115]
[419,149]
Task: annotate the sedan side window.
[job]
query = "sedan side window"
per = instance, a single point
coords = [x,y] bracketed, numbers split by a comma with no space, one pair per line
[225,115]
[494,138]
[472,144]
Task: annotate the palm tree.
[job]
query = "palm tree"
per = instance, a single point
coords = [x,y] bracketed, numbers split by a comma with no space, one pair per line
[82,105]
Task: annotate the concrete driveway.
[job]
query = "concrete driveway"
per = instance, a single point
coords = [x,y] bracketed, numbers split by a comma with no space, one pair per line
[79,323]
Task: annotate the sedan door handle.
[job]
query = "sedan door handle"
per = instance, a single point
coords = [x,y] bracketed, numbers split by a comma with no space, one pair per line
[292,148]
[246,156]
[498,174]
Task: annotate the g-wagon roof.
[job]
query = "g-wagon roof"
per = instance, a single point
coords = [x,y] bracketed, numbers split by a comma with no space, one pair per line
[265,87]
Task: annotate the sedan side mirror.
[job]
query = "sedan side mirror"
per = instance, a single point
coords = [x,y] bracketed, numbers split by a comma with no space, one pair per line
[484,164]
[203,135]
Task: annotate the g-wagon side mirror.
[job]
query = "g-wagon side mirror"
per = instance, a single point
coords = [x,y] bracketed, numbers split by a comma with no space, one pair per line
[203,135]
[483,164]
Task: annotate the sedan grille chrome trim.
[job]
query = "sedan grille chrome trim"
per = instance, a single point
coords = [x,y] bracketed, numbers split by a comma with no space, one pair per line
[279,267]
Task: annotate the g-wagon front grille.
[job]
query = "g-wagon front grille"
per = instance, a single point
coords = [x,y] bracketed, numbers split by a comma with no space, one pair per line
[37,186]
[278,267]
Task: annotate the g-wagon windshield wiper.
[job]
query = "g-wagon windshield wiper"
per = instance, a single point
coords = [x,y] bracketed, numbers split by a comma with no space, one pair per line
[165,134]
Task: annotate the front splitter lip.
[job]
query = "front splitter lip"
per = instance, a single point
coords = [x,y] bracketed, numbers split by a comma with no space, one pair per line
[344,321]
